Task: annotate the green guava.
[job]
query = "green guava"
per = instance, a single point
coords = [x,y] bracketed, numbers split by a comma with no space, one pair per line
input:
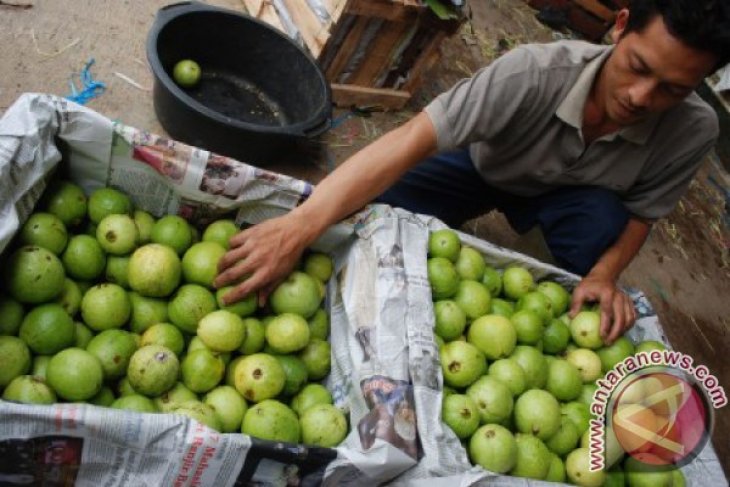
[34,275]
[75,374]
[153,370]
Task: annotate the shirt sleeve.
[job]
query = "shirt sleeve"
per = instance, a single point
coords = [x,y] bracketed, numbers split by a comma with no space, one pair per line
[481,107]
[662,185]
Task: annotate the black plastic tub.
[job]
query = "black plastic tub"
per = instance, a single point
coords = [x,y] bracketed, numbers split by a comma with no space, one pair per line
[259,91]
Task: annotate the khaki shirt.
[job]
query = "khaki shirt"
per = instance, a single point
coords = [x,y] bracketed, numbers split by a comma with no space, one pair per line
[521,119]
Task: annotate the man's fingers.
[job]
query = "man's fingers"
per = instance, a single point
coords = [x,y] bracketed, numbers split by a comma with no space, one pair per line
[231,257]
[238,239]
[232,296]
[577,301]
[606,320]
[631,313]
[245,288]
[234,274]
[265,292]
[607,314]
[619,319]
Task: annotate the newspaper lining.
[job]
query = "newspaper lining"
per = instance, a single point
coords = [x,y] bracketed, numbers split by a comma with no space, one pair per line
[385,367]
[163,176]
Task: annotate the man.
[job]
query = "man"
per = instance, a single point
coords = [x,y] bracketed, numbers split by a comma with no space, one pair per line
[591,143]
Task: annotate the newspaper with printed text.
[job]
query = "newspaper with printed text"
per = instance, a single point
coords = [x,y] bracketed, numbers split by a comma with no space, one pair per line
[386,375]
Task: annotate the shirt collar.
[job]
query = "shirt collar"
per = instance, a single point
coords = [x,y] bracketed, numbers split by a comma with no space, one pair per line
[570,110]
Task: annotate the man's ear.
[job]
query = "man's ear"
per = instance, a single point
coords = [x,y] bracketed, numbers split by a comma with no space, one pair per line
[619,26]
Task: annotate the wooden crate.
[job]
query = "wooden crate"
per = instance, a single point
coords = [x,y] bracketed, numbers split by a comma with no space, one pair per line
[374,52]
[590,18]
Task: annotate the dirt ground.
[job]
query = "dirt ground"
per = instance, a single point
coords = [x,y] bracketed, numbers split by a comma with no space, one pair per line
[684,268]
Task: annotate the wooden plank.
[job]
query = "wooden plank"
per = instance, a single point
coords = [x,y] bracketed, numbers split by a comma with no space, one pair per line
[593,6]
[336,38]
[329,5]
[347,48]
[385,9]
[579,19]
[264,11]
[308,24]
[339,8]
[557,4]
[253,7]
[586,24]
[597,9]
[425,61]
[321,37]
[349,95]
[334,6]
[410,51]
[393,12]
[378,57]
[314,33]
[336,9]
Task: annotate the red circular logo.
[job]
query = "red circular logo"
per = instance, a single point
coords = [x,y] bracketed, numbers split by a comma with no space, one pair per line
[660,418]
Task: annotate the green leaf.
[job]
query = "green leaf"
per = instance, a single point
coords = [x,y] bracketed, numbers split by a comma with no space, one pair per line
[444,12]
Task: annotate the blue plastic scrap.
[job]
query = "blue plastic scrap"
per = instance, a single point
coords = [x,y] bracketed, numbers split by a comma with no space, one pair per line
[90,88]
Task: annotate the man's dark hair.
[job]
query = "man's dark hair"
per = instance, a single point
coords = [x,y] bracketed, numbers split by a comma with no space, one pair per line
[701,24]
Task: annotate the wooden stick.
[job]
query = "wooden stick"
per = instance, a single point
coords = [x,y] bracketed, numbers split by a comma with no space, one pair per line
[349,95]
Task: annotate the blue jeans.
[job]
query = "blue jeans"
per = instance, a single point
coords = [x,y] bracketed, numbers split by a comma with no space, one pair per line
[579,222]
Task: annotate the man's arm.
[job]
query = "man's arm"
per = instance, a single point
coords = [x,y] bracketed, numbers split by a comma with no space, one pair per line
[617,310]
[267,252]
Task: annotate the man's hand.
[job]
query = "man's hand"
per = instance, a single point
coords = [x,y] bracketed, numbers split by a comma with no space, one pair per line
[617,309]
[260,257]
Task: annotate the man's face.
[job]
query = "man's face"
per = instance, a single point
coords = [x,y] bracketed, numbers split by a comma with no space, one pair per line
[649,71]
